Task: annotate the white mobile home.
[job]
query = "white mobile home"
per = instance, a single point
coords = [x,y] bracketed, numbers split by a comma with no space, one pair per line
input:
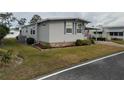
[113,32]
[14,32]
[55,32]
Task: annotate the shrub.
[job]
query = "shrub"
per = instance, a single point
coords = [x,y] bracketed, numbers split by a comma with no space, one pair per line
[4,30]
[30,41]
[92,41]
[6,57]
[86,42]
[79,42]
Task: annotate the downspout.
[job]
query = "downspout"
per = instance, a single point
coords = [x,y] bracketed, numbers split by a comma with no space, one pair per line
[37,32]
[96,34]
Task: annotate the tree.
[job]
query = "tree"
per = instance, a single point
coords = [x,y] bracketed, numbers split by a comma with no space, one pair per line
[4,30]
[21,21]
[6,19]
[35,19]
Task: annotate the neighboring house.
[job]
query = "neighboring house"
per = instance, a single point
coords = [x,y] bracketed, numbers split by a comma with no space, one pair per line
[113,32]
[13,33]
[55,32]
[90,32]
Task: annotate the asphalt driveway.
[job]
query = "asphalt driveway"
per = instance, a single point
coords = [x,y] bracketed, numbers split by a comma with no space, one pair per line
[111,68]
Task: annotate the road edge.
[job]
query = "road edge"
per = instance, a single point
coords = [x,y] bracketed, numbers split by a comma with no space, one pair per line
[73,67]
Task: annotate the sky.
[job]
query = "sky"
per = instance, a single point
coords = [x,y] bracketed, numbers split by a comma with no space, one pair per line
[96,18]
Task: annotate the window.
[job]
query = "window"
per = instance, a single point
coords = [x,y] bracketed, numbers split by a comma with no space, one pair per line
[115,33]
[111,33]
[43,24]
[26,31]
[69,27]
[33,31]
[94,32]
[99,32]
[120,33]
[79,27]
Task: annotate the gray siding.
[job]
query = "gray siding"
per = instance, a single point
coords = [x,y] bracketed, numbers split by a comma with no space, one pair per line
[57,33]
[26,31]
[53,32]
[43,32]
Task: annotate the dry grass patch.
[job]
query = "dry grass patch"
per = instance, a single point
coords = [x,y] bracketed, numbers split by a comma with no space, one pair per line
[38,63]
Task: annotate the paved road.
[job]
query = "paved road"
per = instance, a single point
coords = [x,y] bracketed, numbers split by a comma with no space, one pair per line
[107,69]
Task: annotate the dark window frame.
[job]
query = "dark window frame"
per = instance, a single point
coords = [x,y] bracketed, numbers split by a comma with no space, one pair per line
[120,33]
[111,33]
[33,31]
[115,33]
[71,29]
[81,28]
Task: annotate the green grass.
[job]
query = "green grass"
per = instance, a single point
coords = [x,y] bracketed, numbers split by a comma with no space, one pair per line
[38,63]
[119,41]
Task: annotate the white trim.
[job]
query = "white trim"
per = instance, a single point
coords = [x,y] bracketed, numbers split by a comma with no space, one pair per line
[80,65]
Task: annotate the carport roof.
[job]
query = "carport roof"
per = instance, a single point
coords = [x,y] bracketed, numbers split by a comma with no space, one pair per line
[92,28]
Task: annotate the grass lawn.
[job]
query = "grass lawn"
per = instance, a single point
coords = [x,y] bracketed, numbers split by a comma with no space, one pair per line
[119,41]
[38,63]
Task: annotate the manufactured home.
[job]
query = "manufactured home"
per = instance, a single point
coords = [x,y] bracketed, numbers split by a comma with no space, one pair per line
[109,32]
[14,32]
[55,32]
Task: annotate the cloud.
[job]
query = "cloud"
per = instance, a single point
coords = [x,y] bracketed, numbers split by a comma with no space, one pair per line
[106,18]
[97,18]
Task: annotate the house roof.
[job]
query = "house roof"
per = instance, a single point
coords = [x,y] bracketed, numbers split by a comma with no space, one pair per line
[113,27]
[68,18]
[59,19]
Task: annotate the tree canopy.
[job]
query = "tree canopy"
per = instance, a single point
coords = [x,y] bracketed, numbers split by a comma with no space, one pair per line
[6,19]
[4,30]
[20,21]
[36,18]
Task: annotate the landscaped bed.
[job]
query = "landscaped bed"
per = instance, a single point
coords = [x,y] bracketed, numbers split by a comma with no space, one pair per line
[40,62]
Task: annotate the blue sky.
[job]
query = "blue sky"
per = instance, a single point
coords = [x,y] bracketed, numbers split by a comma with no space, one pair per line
[97,18]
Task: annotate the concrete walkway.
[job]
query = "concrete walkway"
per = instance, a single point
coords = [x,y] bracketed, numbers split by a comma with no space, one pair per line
[109,43]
